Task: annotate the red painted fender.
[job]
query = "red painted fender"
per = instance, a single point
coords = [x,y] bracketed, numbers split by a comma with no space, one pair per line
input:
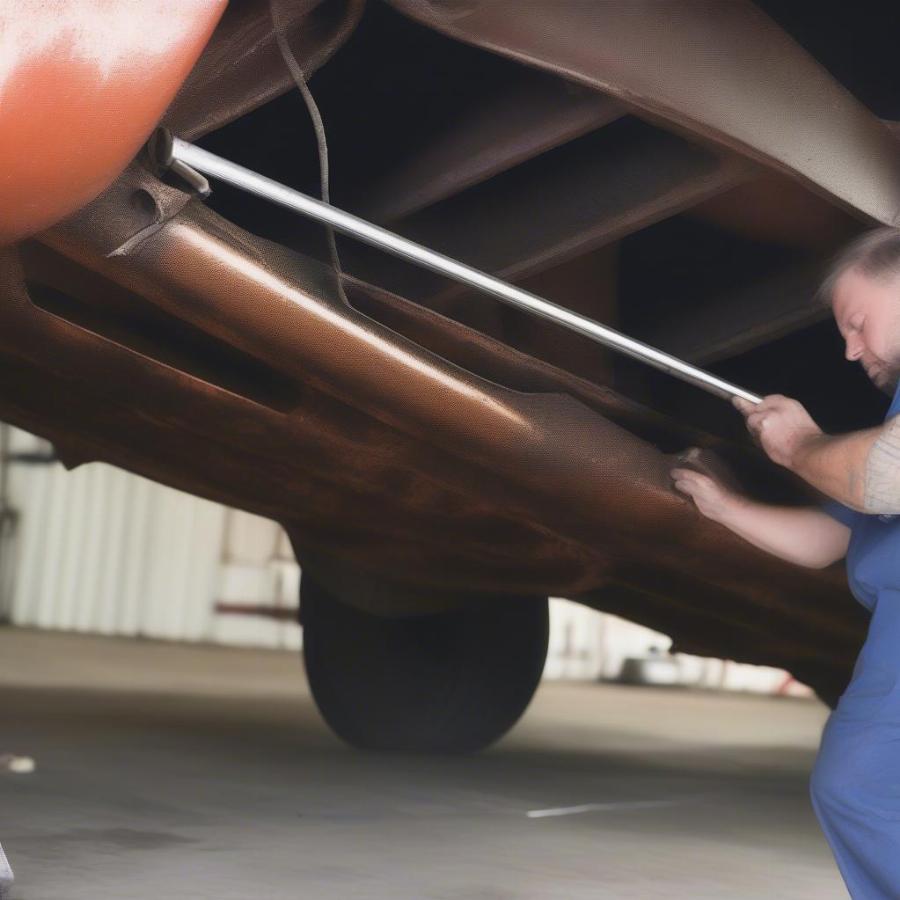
[82,85]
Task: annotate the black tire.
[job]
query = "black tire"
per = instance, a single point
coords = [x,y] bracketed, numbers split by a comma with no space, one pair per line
[451,682]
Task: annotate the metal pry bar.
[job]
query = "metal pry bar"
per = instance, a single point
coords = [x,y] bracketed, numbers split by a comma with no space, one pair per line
[167,151]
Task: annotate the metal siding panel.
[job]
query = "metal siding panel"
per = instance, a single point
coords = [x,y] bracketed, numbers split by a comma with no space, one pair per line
[163,553]
[110,564]
[105,551]
[24,585]
[133,556]
[203,578]
[53,547]
[60,591]
[91,560]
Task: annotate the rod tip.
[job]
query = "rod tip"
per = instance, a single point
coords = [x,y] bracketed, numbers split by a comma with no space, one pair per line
[159,148]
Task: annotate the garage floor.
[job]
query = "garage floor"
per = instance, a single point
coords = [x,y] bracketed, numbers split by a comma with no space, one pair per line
[170,771]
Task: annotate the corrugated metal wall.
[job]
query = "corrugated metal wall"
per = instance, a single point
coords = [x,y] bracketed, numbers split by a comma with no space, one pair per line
[104,551]
[100,550]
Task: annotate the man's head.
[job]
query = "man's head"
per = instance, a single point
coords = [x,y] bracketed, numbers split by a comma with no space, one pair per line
[863,290]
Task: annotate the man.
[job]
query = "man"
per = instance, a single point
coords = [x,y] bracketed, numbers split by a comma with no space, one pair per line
[855,784]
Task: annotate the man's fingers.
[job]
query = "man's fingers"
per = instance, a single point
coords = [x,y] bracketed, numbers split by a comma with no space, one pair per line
[755,429]
[688,478]
[768,402]
[743,405]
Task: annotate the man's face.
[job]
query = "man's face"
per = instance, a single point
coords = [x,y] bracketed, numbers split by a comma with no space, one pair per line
[867,312]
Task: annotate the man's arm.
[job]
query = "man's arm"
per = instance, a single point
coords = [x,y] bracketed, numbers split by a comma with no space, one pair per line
[860,469]
[882,476]
[804,536]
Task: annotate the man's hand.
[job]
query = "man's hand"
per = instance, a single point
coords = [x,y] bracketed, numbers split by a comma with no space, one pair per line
[859,469]
[782,427]
[710,497]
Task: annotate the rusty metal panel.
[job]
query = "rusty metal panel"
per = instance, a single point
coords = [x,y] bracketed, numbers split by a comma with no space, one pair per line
[587,194]
[402,451]
[242,67]
[503,130]
[384,458]
[723,71]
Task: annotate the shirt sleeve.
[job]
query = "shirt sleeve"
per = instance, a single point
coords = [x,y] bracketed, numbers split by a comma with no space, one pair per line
[836,510]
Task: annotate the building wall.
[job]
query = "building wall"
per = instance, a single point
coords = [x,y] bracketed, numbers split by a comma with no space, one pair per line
[100,550]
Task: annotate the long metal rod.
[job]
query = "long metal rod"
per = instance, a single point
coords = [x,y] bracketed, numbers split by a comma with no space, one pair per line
[168,150]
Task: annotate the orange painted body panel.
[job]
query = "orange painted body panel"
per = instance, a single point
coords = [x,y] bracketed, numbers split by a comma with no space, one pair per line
[82,85]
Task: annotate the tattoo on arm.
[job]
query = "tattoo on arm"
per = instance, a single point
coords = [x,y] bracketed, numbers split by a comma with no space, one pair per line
[882,487]
[853,481]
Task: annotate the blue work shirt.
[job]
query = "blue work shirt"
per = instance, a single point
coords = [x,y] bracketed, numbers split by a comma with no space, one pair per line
[873,557]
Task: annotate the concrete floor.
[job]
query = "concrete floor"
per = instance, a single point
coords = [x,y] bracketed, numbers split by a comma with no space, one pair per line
[169,771]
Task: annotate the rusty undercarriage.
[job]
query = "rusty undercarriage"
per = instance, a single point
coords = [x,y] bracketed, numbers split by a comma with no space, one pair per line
[679,171]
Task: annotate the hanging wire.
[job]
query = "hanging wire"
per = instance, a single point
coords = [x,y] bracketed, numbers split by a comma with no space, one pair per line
[297,73]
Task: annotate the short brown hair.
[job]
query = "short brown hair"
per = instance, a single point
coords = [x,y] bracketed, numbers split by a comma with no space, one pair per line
[875,253]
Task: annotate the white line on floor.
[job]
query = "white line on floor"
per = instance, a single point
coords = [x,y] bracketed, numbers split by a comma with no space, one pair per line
[595,807]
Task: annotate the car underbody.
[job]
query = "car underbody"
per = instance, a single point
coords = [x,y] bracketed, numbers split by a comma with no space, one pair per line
[678,171]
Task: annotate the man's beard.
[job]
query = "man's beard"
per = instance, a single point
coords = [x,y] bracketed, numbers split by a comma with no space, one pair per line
[887,381]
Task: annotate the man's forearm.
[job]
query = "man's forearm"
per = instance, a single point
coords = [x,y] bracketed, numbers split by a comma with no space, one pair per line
[803,536]
[860,469]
